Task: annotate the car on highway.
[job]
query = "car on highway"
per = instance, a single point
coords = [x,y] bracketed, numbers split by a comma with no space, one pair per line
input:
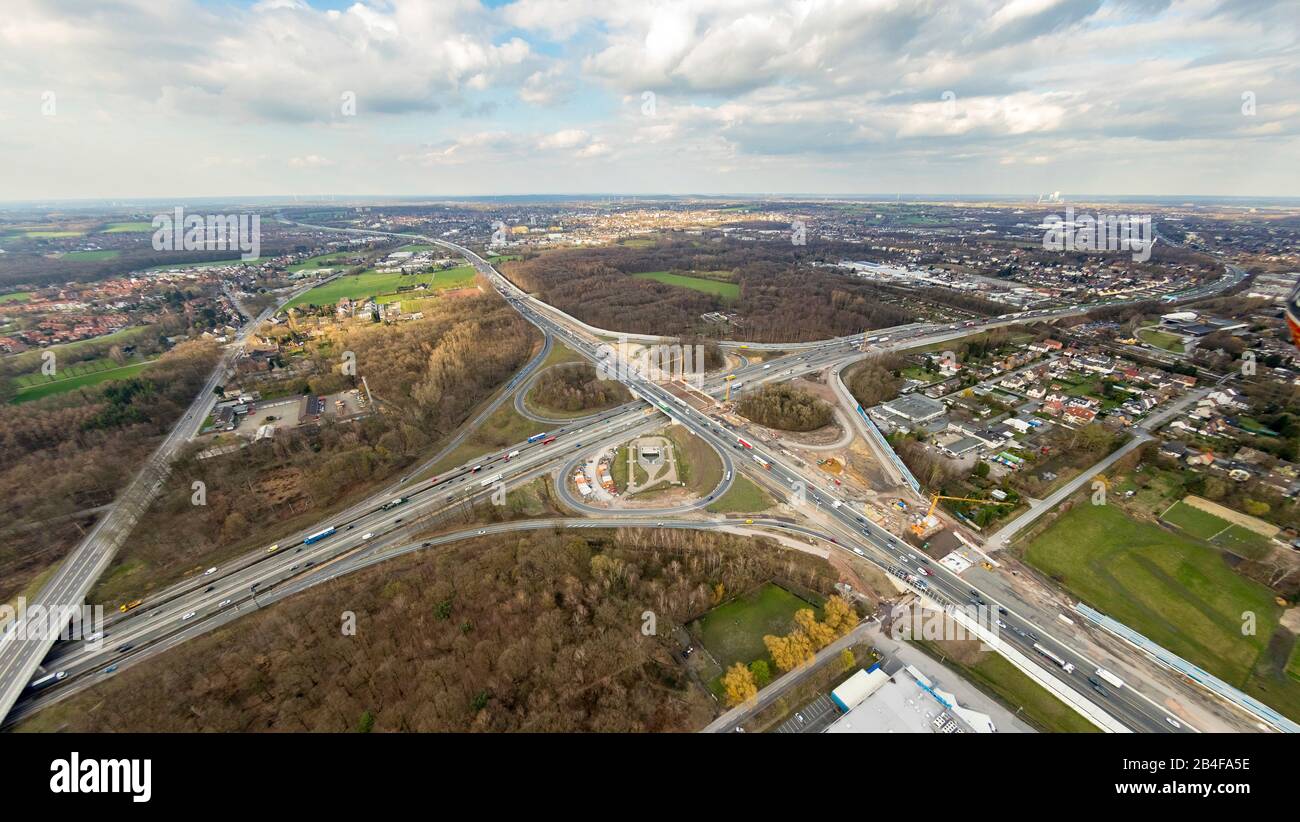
[188,615]
[223,603]
[1173,722]
[111,669]
[925,572]
[121,649]
[210,571]
[367,535]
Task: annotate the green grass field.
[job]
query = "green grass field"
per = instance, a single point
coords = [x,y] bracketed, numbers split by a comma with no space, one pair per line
[16,297]
[719,288]
[733,632]
[383,287]
[916,373]
[1161,339]
[743,497]
[70,381]
[136,227]
[1176,591]
[1204,525]
[90,256]
[1198,523]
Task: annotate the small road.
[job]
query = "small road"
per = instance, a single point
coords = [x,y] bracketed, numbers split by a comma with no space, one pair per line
[1141,435]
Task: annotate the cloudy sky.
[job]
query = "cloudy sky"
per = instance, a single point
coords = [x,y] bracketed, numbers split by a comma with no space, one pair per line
[139,98]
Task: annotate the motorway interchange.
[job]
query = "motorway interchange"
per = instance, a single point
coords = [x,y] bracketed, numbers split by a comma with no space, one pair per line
[379,527]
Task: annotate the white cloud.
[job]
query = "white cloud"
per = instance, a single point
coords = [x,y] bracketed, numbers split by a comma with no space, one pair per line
[750,95]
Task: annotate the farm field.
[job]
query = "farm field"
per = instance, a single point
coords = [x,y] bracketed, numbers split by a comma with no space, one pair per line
[719,288]
[90,256]
[51,235]
[35,386]
[1175,590]
[139,226]
[383,287]
[16,297]
[30,360]
[459,277]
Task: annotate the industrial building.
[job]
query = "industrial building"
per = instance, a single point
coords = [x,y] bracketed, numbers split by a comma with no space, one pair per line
[907,702]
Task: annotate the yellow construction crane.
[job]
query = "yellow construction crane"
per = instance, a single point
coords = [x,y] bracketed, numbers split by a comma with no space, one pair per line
[919,526]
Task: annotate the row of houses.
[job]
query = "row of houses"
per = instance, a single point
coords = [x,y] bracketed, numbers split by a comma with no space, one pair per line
[1281,478]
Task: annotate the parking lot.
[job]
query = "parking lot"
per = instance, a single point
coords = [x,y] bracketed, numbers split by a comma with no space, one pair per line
[812,718]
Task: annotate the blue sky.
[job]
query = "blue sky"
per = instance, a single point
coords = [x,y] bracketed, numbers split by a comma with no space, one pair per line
[461,97]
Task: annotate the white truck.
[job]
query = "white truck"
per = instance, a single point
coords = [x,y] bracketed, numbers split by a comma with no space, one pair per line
[1111,678]
[1056,660]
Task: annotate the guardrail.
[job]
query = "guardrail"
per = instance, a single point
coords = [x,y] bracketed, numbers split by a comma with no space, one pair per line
[888,449]
[1198,675]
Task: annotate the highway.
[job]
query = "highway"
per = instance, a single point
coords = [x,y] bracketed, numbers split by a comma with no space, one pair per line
[850,530]
[164,620]
[21,655]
